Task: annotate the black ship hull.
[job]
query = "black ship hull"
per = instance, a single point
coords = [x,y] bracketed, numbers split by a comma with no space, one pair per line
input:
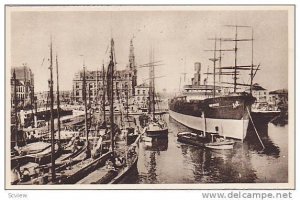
[162,133]
[263,117]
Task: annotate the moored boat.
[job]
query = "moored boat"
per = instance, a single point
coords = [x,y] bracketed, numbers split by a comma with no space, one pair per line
[261,117]
[220,143]
[122,157]
[217,108]
[197,139]
[225,114]
[157,127]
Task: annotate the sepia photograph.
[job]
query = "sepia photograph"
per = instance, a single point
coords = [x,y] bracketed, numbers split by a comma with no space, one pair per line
[149,97]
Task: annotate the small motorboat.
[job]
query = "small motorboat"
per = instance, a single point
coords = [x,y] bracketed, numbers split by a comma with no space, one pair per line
[198,138]
[219,142]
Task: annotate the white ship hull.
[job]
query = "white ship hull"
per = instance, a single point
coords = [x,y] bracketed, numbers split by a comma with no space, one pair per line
[232,128]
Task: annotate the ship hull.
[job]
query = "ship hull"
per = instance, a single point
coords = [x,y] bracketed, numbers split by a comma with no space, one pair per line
[228,127]
[162,133]
[227,116]
[263,117]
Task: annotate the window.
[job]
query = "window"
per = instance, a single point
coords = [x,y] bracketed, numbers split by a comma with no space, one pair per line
[144,91]
[138,92]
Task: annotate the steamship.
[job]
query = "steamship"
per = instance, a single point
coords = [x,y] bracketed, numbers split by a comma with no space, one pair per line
[226,115]
[217,108]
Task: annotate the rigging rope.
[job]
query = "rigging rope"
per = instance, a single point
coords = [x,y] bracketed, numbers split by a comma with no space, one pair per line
[262,144]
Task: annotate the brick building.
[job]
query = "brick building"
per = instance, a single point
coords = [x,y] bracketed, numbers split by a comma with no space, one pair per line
[24,86]
[125,81]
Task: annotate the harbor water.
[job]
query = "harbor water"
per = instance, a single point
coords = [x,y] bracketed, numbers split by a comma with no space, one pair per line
[167,161]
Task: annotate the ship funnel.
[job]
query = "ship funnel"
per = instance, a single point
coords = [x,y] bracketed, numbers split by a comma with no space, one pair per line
[197,74]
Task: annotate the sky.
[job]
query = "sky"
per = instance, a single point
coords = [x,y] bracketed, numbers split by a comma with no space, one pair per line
[179,39]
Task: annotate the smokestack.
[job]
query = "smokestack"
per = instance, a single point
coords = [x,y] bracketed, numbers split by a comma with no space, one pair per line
[197,75]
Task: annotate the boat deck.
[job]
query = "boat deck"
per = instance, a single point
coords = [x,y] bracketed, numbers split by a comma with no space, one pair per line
[94,176]
[35,147]
[77,167]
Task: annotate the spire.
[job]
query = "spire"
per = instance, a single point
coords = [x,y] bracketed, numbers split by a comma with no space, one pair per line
[131,56]
[132,67]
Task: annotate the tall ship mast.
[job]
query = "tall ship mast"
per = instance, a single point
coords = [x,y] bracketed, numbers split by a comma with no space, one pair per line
[103,95]
[58,101]
[157,126]
[52,116]
[110,91]
[212,108]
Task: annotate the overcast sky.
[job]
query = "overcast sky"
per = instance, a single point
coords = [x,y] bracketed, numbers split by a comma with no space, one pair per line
[179,39]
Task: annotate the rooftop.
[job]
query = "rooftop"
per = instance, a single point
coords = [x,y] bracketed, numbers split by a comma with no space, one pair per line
[143,85]
[256,86]
[281,91]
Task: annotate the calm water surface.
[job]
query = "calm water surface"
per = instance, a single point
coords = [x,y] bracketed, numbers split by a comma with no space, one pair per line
[169,161]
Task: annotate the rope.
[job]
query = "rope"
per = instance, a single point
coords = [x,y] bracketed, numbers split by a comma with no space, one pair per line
[262,144]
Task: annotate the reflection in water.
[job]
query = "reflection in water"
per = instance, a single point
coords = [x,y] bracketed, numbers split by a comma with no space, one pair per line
[152,176]
[223,166]
[169,161]
[252,140]
[157,144]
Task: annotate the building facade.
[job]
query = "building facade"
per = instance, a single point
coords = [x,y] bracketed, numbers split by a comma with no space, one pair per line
[141,96]
[124,83]
[278,97]
[24,83]
[273,99]
[43,98]
[261,94]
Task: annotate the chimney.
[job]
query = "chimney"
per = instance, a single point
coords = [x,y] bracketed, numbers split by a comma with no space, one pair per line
[197,75]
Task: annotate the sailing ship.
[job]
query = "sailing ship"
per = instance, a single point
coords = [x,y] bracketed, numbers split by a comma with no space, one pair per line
[129,125]
[157,127]
[92,158]
[216,108]
[73,157]
[121,159]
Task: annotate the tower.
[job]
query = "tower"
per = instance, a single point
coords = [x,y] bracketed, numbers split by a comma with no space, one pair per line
[132,67]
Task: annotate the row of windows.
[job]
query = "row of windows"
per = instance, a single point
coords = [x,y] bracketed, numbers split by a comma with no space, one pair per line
[139,91]
[142,98]
[258,92]
[94,77]
[77,93]
[92,85]
[20,89]
[21,96]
